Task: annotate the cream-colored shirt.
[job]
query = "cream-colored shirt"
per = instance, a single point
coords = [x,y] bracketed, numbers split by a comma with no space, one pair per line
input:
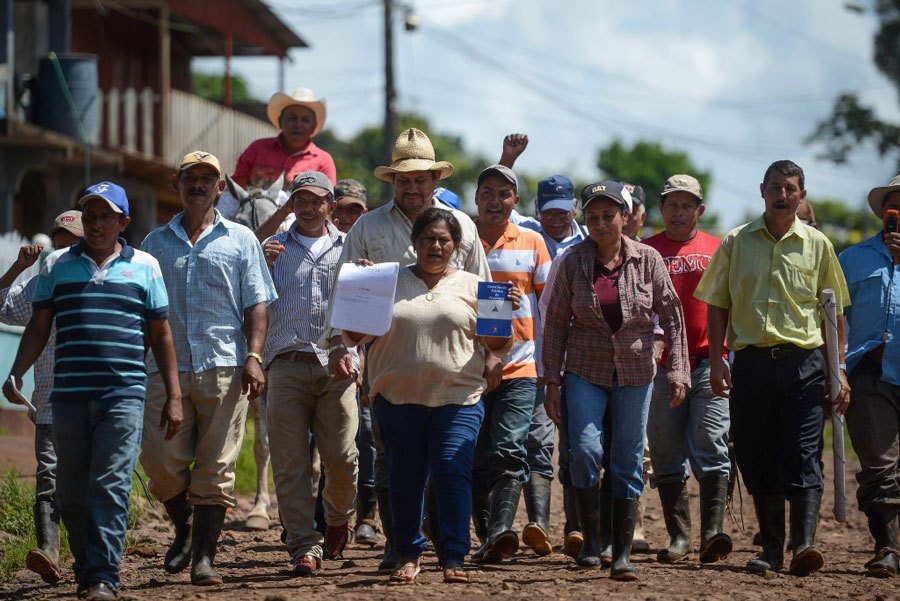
[383,235]
[431,355]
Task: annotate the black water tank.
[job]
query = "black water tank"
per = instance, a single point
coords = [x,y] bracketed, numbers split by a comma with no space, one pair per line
[51,109]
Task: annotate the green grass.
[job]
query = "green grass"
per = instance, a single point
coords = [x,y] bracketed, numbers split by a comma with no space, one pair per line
[245,470]
[17,519]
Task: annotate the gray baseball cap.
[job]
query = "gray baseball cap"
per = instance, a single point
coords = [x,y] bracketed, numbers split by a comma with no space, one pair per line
[501,170]
[314,181]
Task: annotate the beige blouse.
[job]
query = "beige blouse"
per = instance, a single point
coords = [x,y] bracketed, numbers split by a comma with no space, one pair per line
[431,355]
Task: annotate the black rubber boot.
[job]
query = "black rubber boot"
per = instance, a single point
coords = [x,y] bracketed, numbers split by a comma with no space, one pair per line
[208,521]
[536,533]
[676,510]
[44,559]
[804,519]
[364,534]
[179,509]
[606,553]
[624,516]
[883,526]
[390,561]
[587,501]
[770,515]
[714,544]
[573,539]
[502,540]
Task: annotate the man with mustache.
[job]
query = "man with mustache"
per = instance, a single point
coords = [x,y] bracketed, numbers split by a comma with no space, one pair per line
[763,286]
[219,287]
[383,235]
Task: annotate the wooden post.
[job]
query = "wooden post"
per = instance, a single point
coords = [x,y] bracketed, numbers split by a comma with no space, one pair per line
[390,95]
[165,82]
[226,85]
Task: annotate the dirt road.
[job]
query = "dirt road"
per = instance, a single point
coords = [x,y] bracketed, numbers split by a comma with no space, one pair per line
[256,567]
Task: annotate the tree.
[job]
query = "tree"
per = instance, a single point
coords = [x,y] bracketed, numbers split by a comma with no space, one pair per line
[649,165]
[212,87]
[852,123]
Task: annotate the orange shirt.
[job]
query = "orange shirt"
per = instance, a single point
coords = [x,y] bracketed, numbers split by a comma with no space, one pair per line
[520,256]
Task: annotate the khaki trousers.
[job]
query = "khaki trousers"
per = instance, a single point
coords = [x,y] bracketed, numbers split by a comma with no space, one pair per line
[215,412]
[302,397]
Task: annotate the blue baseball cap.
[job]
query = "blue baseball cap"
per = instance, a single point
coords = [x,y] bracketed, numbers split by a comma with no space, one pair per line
[113,194]
[555,192]
[447,197]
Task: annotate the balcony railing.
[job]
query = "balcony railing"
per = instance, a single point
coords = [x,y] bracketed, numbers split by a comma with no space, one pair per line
[130,122]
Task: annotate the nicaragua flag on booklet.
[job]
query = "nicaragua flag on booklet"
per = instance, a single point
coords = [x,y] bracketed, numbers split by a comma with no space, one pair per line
[494,309]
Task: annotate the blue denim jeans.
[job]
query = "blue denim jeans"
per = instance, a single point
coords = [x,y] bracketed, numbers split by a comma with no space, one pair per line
[696,431]
[97,445]
[500,452]
[584,409]
[366,446]
[540,441]
[429,442]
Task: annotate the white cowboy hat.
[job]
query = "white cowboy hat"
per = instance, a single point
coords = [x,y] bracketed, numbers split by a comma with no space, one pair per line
[300,97]
[876,195]
[413,152]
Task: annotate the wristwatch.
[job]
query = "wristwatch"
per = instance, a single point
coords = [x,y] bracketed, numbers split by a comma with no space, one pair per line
[256,356]
[331,349]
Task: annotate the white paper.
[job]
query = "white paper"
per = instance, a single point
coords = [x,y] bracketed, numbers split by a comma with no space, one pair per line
[364,298]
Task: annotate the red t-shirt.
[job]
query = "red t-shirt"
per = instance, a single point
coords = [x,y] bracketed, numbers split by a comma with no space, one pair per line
[686,262]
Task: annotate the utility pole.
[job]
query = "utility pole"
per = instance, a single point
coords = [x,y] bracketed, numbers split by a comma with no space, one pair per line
[390,95]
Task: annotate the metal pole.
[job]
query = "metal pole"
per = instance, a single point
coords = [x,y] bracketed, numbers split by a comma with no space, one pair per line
[165,83]
[834,387]
[390,94]
[10,108]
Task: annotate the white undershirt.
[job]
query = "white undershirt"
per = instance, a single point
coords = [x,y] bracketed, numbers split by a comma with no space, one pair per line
[316,246]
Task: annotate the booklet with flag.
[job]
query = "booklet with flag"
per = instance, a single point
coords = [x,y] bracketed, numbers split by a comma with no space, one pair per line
[494,309]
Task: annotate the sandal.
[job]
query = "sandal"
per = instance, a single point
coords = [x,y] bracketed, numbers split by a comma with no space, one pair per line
[407,572]
[454,573]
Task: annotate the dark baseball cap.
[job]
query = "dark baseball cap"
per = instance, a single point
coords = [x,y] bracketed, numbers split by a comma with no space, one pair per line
[555,192]
[610,189]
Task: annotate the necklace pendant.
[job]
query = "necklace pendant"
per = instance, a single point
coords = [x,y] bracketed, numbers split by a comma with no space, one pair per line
[429,296]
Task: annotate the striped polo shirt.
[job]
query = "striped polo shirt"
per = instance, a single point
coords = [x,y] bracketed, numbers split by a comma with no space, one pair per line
[520,256]
[101,318]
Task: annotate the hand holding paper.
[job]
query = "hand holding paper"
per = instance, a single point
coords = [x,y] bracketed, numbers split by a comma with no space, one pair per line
[364,298]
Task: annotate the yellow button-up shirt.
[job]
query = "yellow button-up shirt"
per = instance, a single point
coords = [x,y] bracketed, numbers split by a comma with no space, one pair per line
[772,287]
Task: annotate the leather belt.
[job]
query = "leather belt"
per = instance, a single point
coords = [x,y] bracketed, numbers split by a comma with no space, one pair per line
[780,351]
[300,356]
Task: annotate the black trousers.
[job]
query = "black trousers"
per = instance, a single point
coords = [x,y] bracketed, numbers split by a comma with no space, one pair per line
[777,416]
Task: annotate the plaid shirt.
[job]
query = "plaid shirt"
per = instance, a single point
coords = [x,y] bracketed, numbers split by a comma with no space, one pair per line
[577,338]
[16,310]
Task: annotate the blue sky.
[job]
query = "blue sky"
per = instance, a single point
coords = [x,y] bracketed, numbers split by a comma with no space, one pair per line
[735,84]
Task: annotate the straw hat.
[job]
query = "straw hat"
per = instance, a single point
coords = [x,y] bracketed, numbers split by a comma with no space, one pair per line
[300,97]
[413,152]
[876,195]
